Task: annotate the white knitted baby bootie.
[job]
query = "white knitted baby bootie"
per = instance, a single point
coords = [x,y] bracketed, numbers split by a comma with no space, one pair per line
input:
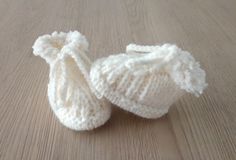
[147,80]
[69,88]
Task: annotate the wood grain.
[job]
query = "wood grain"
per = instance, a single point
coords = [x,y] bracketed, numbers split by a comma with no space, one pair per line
[195,128]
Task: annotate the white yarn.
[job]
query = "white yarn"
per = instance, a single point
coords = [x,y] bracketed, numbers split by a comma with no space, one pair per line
[147,83]
[179,64]
[69,88]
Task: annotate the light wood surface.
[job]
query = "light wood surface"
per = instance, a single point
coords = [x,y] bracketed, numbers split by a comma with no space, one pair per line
[195,128]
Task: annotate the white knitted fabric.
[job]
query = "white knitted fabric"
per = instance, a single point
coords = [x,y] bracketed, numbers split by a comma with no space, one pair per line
[147,80]
[69,88]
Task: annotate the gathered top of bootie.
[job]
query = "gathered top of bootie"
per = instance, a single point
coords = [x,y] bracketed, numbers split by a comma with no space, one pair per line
[49,47]
[59,45]
[168,59]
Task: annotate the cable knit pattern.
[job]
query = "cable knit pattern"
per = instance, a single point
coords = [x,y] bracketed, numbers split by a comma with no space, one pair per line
[69,88]
[147,80]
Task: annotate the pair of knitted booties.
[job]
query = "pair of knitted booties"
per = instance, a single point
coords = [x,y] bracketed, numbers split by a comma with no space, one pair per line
[146,80]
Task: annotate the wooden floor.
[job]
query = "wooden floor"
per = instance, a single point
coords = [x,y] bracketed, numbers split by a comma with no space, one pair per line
[195,128]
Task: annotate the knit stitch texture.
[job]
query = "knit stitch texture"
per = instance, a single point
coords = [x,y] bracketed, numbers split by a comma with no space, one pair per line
[147,80]
[69,88]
